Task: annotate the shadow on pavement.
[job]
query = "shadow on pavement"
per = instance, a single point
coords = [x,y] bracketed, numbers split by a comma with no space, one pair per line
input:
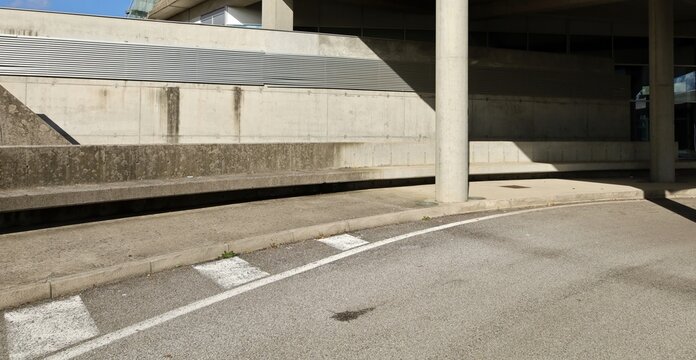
[677,208]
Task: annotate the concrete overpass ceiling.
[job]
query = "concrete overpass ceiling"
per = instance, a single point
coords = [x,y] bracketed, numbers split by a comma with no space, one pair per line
[633,11]
[165,9]
[486,9]
[423,6]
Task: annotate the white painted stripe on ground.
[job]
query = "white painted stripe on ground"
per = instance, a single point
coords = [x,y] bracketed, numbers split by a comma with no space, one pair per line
[110,338]
[232,272]
[344,242]
[45,328]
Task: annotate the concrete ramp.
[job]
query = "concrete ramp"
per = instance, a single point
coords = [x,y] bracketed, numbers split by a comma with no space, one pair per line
[19,125]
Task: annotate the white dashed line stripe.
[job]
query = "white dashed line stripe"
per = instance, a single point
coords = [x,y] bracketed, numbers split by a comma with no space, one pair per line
[131,330]
[42,329]
[344,242]
[232,272]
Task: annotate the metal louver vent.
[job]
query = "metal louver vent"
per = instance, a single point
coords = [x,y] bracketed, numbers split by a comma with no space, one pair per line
[32,56]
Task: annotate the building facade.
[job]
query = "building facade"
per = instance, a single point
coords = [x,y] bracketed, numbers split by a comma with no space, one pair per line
[459,87]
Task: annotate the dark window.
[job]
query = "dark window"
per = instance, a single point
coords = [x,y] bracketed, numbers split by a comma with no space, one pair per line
[216,17]
[420,35]
[590,45]
[341,31]
[479,39]
[684,52]
[306,28]
[640,81]
[397,34]
[553,43]
[515,41]
[631,50]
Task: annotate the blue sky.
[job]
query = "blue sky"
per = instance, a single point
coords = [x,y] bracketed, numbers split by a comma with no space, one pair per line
[96,7]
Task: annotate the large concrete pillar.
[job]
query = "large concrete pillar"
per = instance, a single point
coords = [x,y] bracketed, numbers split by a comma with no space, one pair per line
[277,14]
[662,148]
[452,100]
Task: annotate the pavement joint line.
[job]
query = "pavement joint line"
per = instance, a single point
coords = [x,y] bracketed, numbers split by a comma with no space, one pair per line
[74,283]
[343,242]
[42,329]
[106,339]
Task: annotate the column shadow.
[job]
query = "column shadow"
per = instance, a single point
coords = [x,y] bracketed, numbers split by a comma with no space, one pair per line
[677,208]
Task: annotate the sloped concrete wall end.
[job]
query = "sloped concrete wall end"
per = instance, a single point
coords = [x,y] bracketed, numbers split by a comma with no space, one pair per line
[19,125]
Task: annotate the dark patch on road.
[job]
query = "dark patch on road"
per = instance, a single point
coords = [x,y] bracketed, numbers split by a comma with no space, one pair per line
[651,278]
[516,187]
[546,253]
[348,316]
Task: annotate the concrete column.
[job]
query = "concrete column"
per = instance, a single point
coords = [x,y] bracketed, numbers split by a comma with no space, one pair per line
[277,14]
[662,148]
[452,100]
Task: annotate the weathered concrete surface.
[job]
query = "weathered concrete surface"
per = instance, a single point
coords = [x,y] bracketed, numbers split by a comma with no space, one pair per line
[452,101]
[32,166]
[55,166]
[506,104]
[44,177]
[515,95]
[278,14]
[79,256]
[48,197]
[21,126]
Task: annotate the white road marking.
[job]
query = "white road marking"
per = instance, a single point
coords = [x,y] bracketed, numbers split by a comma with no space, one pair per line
[344,242]
[42,329]
[110,338]
[232,272]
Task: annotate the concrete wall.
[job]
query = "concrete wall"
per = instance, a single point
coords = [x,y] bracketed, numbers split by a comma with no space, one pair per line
[32,166]
[548,118]
[119,112]
[517,95]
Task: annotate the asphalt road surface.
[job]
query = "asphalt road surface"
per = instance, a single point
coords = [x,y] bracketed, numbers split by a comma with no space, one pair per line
[602,281]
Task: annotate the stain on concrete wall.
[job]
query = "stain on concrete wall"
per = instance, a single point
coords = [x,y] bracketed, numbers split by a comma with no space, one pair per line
[172,101]
[238,98]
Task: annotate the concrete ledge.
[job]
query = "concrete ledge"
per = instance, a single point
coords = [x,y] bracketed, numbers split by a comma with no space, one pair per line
[15,296]
[59,196]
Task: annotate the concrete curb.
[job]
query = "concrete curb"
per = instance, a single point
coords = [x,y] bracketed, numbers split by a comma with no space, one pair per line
[71,284]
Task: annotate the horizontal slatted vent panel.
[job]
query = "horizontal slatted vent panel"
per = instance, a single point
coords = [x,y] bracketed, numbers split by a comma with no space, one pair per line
[31,56]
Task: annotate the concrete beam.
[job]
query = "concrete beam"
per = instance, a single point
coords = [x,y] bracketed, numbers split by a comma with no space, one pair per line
[278,14]
[663,155]
[498,8]
[452,100]
[165,9]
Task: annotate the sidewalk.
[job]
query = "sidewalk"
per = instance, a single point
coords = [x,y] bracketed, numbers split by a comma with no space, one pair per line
[55,262]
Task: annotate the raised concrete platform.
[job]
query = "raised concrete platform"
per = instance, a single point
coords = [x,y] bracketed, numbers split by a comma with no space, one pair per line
[55,262]
[42,197]
[82,194]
